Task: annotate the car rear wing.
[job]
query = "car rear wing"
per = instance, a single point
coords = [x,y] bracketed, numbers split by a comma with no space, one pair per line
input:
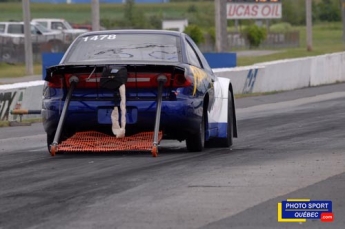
[106,75]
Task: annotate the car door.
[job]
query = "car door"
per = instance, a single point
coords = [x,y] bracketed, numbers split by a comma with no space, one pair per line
[36,35]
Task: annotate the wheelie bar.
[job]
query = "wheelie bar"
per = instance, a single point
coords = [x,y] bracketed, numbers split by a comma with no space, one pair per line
[53,147]
[161,81]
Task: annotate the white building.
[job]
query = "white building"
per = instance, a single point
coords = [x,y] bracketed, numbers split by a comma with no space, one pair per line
[177,25]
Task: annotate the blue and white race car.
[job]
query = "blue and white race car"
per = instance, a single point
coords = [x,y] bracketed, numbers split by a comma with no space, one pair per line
[123,82]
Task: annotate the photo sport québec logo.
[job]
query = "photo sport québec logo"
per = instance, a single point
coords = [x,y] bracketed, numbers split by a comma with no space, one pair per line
[301,210]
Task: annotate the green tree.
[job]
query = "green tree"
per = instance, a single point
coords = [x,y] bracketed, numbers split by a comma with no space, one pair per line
[192,9]
[195,33]
[293,12]
[133,18]
[128,11]
[329,10]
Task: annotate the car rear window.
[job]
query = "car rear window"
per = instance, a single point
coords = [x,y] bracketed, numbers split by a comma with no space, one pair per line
[125,47]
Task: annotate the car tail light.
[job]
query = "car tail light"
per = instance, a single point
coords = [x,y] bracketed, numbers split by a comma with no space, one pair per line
[145,80]
[85,80]
[134,80]
[56,81]
[181,80]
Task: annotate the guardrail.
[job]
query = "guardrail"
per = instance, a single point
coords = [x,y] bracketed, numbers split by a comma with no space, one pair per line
[22,112]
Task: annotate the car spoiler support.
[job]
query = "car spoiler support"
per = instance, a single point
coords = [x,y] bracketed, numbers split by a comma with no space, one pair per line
[161,81]
[53,147]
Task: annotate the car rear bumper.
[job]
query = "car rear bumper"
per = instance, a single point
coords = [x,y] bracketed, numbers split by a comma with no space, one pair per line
[178,118]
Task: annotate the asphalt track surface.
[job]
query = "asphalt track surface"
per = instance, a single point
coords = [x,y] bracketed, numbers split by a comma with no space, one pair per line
[290,145]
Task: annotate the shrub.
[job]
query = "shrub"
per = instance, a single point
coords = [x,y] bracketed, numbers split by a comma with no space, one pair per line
[255,35]
[281,27]
[155,21]
[212,33]
[195,33]
[192,9]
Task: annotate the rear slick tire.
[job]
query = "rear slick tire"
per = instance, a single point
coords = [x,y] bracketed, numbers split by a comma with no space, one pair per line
[196,142]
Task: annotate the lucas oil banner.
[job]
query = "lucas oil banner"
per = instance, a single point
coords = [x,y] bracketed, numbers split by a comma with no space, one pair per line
[253,10]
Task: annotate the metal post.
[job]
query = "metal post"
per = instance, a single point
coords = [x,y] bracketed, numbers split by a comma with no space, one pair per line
[53,147]
[161,81]
[343,17]
[27,35]
[309,25]
[221,26]
[95,15]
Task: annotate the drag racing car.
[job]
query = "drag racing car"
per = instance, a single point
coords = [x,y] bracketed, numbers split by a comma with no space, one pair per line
[124,82]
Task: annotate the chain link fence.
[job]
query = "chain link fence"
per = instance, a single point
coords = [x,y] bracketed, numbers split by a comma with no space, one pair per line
[273,41]
[12,49]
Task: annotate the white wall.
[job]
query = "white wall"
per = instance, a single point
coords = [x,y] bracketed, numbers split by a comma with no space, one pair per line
[327,69]
[287,74]
[20,96]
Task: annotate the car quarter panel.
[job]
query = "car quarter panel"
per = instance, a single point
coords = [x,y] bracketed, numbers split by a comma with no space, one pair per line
[218,112]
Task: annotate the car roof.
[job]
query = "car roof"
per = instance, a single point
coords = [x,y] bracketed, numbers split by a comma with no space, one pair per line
[48,19]
[11,22]
[134,31]
[15,22]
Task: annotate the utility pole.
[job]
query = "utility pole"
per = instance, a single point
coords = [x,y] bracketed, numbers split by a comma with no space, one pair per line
[95,15]
[221,26]
[309,25]
[343,16]
[27,37]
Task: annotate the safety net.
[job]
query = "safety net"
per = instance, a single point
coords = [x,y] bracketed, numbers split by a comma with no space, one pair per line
[93,141]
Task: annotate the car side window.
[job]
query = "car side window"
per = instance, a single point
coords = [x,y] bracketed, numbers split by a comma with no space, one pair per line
[33,30]
[202,59]
[2,28]
[57,25]
[192,56]
[16,29]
